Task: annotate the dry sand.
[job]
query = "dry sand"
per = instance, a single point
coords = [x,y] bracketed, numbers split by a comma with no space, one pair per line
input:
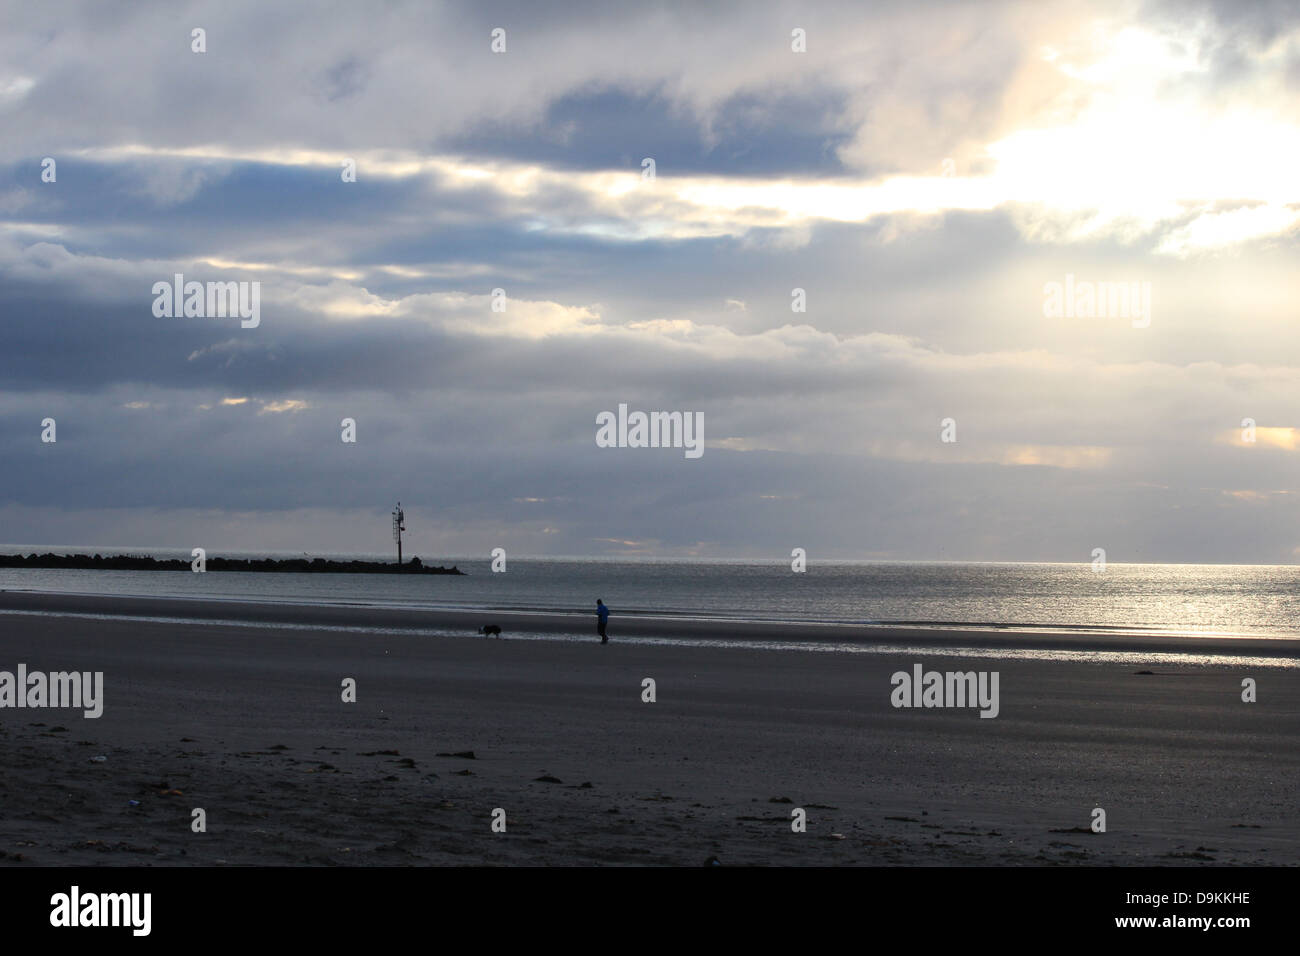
[246,722]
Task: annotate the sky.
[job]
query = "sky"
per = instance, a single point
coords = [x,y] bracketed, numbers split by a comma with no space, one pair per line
[504,269]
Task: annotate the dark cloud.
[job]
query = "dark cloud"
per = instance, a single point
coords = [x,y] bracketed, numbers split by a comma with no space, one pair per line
[750,134]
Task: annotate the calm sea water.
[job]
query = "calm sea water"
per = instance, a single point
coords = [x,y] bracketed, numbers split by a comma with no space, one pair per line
[1219,599]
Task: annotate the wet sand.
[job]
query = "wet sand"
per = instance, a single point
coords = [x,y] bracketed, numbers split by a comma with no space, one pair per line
[245,720]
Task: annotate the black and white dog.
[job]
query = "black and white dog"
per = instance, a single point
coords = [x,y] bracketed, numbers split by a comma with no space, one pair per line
[490,630]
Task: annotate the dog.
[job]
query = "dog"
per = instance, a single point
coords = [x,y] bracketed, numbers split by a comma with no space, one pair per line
[490,630]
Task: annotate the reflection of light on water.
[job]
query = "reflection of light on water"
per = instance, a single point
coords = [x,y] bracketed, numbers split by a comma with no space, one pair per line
[1024,654]
[821,647]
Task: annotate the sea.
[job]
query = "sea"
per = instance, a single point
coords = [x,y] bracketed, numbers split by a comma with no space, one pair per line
[1196,599]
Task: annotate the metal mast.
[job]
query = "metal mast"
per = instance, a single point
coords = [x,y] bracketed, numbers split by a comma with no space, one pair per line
[399,525]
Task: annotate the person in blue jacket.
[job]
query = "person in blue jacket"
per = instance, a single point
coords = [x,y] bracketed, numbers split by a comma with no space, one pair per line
[602,619]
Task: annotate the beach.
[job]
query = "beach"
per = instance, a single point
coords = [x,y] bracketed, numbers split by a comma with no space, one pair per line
[237,709]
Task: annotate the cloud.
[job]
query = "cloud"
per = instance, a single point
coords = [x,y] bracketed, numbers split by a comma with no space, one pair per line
[920,173]
[288,405]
